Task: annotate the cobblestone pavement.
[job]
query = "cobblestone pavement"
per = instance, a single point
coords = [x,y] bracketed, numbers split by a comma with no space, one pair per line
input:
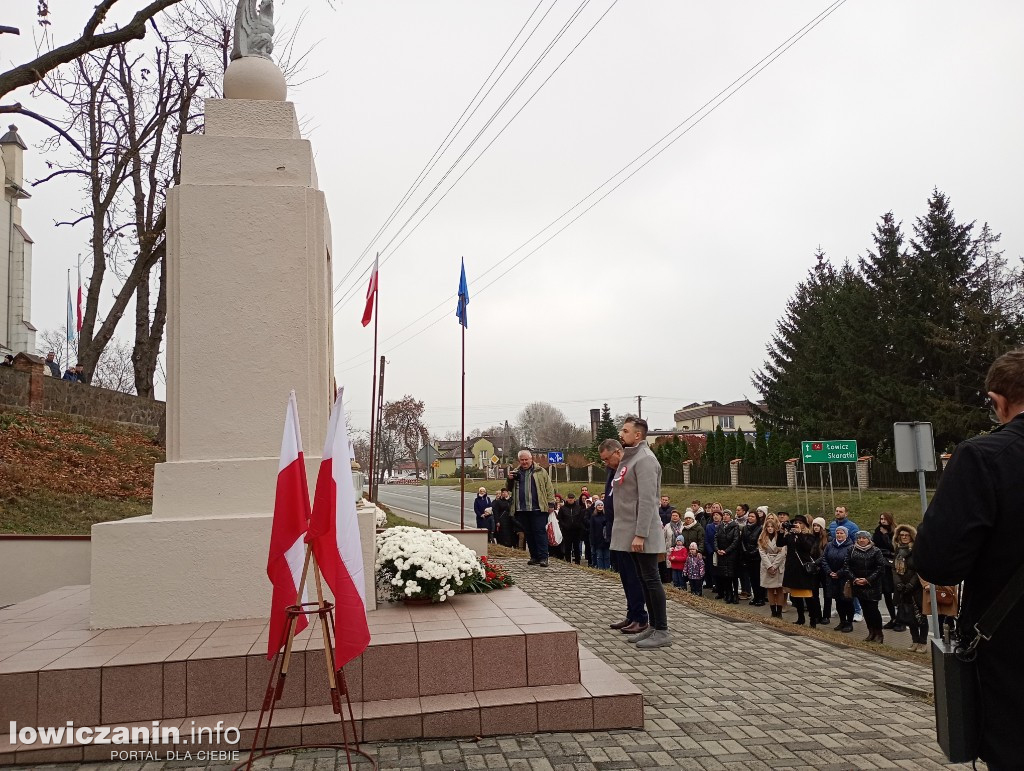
[726,695]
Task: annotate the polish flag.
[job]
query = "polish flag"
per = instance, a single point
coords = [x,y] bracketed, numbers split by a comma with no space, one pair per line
[371,294]
[334,535]
[287,538]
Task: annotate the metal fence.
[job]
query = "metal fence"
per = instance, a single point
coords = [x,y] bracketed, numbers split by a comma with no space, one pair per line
[885,476]
[762,476]
[712,476]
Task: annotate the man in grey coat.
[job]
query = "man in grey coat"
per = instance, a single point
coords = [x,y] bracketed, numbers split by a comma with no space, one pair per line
[637,526]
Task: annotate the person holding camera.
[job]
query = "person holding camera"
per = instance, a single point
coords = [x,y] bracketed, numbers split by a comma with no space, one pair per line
[800,579]
[531,491]
[971,533]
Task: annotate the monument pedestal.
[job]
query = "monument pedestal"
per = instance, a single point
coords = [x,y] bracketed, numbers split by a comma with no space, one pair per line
[249,319]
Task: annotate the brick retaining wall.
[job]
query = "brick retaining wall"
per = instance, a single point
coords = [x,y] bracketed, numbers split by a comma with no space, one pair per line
[67,398]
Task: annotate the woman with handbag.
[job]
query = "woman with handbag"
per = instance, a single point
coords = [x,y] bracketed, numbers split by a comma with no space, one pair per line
[883,539]
[772,552]
[832,563]
[800,578]
[907,589]
[819,529]
[864,567]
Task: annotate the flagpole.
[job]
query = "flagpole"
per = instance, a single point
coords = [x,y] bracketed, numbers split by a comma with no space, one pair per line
[373,392]
[462,516]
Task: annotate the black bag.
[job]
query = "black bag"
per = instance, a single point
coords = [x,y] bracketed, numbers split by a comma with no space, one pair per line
[810,568]
[955,678]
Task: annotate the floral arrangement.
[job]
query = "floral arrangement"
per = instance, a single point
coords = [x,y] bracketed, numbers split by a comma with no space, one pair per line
[494,576]
[382,518]
[413,563]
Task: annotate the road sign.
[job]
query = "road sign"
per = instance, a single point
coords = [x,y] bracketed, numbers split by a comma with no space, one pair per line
[915,446]
[494,459]
[555,457]
[825,451]
[436,464]
[427,454]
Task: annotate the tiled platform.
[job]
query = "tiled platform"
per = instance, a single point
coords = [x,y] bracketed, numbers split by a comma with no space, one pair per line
[491,664]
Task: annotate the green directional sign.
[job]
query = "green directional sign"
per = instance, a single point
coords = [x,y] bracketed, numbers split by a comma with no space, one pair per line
[825,451]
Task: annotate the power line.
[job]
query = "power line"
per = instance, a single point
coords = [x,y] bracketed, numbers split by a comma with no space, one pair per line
[721,98]
[455,130]
[353,290]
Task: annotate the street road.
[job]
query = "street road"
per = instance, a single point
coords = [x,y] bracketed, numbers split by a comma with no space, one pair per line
[408,500]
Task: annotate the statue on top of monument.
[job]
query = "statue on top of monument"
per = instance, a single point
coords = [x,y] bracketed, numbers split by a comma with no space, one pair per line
[254,31]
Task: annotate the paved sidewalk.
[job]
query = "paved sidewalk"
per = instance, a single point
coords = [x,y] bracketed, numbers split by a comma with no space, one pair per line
[727,695]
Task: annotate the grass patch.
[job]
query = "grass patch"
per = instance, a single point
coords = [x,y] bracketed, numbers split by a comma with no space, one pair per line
[43,512]
[904,505]
[393,519]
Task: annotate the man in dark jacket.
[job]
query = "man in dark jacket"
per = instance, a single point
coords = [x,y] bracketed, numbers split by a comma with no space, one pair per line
[971,533]
[570,520]
[751,561]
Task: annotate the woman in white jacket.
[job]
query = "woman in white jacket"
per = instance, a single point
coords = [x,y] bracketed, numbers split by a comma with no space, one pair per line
[773,563]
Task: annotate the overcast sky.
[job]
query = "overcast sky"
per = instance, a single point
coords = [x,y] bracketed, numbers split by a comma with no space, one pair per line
[672,285]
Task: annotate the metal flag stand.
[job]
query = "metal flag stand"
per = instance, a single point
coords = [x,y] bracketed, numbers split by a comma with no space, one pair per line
[279,673]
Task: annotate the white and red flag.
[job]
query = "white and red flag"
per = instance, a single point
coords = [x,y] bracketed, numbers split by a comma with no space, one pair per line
[334,536]
[288,536]
[371,294]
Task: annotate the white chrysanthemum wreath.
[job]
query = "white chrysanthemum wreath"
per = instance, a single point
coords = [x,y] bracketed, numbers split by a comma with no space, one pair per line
[417,564]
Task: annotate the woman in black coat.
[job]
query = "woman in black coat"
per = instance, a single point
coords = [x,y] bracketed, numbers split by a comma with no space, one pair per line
[727,549]
[865,567]
[883,540]
[800,577]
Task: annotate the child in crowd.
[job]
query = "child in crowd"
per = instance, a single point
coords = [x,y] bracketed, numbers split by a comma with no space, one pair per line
[694,570]
[677,561]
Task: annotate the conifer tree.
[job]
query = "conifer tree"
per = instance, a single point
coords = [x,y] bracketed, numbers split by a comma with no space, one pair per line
[760,445]
[749,454]
[709,456]
[721,448]
[741,443]
[730,446]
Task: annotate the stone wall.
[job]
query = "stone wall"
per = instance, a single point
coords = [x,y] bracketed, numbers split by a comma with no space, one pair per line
[85,401]
[14,388]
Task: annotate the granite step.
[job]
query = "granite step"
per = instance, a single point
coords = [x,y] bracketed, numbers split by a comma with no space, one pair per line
[603,699]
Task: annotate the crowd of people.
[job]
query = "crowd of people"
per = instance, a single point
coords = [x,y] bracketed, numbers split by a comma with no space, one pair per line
[825,571]
[75,374]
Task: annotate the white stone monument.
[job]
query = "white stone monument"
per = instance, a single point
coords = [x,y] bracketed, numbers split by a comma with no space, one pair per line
[249,319]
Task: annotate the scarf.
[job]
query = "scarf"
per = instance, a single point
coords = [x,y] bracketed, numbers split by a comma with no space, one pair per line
[869,547]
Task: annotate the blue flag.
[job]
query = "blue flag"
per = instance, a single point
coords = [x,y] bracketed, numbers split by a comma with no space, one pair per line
[460,310]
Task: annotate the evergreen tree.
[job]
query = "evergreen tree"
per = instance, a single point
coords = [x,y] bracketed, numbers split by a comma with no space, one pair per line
[949,353]
[709,456]
[606,428]
[730,446]
[760,445]
[749,454]
[772,454]
[720,447]
[741,442]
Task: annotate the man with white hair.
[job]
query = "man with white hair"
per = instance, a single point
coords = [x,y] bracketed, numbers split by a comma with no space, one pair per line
[532,491]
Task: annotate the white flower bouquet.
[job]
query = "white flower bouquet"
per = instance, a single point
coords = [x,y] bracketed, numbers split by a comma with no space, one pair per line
[424,564]
[382,518]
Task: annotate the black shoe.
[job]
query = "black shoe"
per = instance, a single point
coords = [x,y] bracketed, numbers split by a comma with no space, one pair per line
[899,628]
[800,621]
[543,563]
[533,562]
[890,625]
[826,620]
[846,628]
[838,627]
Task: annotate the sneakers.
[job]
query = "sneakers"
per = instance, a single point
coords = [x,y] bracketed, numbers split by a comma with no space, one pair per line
[857,617]
[543,563]
[641,635]
[658,639]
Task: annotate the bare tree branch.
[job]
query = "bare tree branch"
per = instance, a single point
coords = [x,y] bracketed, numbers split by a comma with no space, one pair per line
[34,71]
[17,108]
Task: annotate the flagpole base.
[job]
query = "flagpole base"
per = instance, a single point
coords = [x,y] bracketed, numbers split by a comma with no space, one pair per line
[275,688]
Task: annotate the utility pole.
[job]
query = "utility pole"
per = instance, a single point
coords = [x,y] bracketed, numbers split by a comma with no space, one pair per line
[380,414]
[639,411]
